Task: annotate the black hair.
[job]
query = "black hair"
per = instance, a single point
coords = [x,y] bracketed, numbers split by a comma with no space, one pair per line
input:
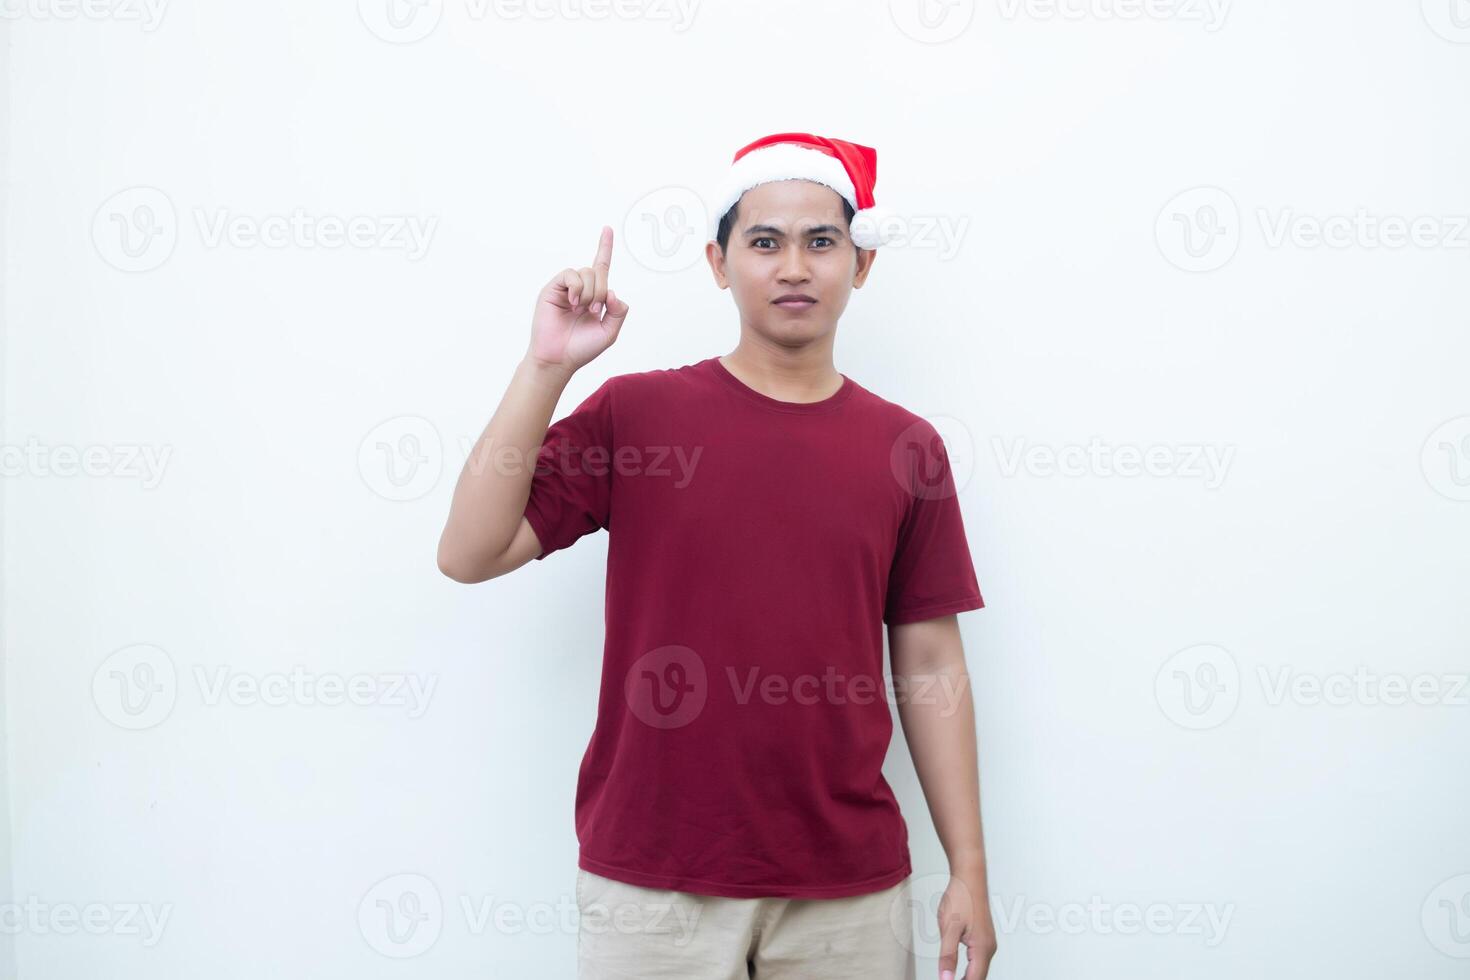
[727,223]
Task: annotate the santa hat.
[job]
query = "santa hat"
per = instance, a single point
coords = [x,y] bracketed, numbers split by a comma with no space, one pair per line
[850,169]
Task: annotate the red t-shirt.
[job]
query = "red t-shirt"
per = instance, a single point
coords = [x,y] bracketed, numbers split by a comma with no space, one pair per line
[756,547]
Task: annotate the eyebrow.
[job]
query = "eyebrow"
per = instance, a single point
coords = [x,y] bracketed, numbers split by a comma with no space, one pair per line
[828,230]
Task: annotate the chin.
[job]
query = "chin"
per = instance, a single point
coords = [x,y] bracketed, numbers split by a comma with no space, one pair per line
[795,330]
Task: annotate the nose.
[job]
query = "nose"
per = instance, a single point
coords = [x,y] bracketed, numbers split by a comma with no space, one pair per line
[793,267]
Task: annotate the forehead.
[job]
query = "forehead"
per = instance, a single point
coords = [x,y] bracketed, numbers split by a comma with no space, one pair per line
[791,204]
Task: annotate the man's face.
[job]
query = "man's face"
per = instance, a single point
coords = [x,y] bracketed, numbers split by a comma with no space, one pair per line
[790,237]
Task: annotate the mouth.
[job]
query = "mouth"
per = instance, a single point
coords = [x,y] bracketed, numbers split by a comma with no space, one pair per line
[795,301]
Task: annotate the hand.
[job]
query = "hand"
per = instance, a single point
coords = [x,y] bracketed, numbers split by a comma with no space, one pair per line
[577,315]
[964,916]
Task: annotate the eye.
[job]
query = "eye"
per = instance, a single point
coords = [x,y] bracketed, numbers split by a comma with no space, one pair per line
[758,241]
[822,238]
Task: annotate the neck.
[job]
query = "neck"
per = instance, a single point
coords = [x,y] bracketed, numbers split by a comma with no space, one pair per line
[789,374]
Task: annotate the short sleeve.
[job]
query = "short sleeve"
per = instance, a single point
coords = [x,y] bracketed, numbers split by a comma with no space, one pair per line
[571,485]
[932,574]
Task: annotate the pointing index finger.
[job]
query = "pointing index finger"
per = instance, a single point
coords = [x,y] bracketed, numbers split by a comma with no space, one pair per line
[604,248]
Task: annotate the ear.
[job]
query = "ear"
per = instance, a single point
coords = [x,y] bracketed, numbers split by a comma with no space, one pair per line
[716,260]
[865,257]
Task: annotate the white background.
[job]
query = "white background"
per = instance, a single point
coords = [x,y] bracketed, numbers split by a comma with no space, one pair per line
[308,407]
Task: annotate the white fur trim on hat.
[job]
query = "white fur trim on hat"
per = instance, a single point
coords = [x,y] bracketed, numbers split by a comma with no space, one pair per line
[781,161]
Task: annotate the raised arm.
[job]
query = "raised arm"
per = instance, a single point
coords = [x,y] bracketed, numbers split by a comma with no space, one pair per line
[577,317]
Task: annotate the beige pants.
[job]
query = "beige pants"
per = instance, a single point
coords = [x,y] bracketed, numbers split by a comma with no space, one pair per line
[627,932]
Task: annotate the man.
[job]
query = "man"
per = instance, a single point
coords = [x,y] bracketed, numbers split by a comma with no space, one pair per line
[767,516]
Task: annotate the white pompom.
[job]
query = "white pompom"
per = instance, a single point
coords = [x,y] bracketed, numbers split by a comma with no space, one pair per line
[872,227]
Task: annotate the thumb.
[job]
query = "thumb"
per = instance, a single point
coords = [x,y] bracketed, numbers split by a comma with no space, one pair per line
[617,311]
[949,947]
